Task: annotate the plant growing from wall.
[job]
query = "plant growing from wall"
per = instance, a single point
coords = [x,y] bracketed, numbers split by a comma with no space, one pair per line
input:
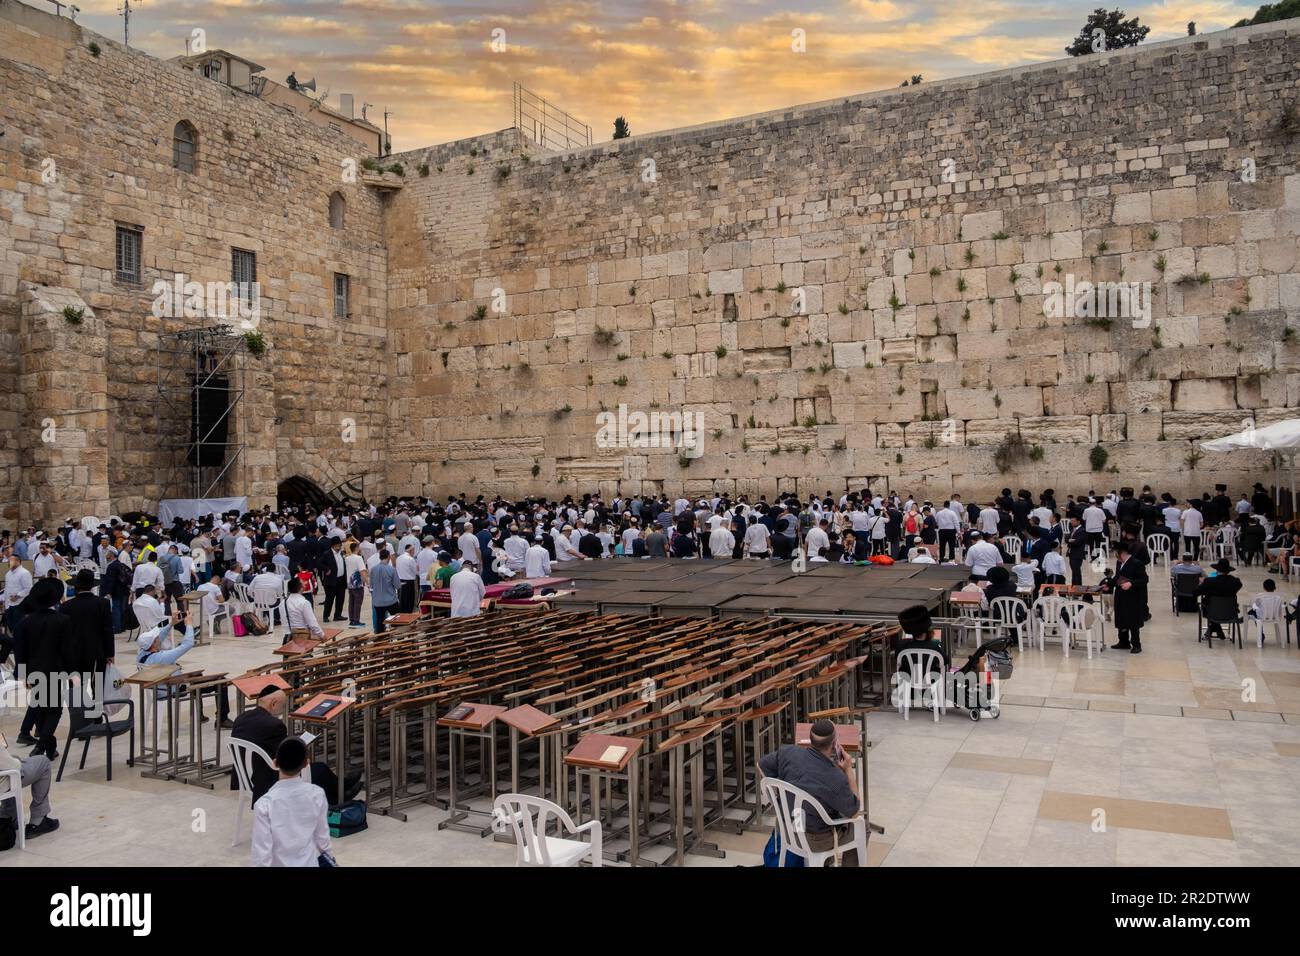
[1098,457]
[255,342]
[1009,452]
[73,315]
[93,47]
[423,169]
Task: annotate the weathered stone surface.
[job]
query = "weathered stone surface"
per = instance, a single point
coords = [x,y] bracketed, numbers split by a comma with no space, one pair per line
[904,318]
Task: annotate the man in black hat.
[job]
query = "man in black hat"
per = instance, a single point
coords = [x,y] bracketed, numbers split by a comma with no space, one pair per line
[92,630]
[44,645]
[1221,583]
[1131,610]
[1261,502]
[824,770]
[918,632]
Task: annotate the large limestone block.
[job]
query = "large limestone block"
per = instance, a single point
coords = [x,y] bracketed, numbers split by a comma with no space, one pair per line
[1201,425]
[1205,395]
[1056,428]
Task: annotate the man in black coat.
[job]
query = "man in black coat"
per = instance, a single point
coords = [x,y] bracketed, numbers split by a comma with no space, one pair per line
[263,726]
[1221,584]
[92,631]
[1076,548]
[45,647]
[1131,610]
[333,577]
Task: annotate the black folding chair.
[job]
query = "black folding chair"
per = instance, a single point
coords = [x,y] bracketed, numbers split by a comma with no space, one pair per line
[1184,587]
[81,727]
[1219,609]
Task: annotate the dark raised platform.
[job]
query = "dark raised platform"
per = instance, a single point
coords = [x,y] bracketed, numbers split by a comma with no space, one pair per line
[728,588]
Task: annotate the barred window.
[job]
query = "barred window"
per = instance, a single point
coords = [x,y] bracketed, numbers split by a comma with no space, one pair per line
[243,272]
[130,244]
[185,145]
[341,294]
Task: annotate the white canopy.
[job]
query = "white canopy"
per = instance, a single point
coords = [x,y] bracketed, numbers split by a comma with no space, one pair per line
[1281,436]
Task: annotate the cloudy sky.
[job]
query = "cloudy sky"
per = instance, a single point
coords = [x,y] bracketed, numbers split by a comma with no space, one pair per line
[660,63]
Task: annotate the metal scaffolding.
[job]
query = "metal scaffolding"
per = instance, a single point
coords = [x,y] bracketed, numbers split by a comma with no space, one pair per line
[197,371]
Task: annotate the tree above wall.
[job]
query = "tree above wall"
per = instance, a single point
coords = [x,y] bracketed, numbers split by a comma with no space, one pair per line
[1118,33]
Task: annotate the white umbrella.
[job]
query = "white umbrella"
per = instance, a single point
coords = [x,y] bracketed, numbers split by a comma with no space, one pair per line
[1280,438]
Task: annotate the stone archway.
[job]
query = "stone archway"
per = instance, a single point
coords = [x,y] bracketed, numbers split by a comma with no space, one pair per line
[299,490]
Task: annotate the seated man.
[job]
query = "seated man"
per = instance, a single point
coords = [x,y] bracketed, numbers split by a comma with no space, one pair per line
[35,773]
[262,725]
[918,631]
[301,614]
[824,770]
[290,827]
[157,645]
[148,609]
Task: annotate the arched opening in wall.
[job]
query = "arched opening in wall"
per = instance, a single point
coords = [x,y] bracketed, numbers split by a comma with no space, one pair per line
[185,146]
[338,209]
[301,491]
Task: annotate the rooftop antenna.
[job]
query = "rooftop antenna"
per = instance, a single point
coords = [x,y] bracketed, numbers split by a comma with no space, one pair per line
[388,143]
[124,11]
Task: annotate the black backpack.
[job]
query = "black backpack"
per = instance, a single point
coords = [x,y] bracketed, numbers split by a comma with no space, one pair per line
[8,833]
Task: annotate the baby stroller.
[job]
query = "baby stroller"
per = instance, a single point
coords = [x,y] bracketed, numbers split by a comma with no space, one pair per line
[989,665]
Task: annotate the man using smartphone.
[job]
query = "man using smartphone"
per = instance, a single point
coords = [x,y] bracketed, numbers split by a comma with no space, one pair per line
[825,771]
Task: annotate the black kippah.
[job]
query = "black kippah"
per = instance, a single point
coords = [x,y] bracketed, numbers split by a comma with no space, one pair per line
[823,728]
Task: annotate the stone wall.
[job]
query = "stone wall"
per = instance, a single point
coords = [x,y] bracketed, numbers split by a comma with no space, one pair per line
[262,183]
[842,305]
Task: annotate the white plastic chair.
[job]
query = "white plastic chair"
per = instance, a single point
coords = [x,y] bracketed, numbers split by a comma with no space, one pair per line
[1271,613]
[242,595]
[529,818]
[266,603]
[1010,614]
[1208,536]
[241,755]
[1083,621]
[1158,546]
[1045,618]
[1012,545]
[789,801]
[210,620]
[929,663]
[15,793]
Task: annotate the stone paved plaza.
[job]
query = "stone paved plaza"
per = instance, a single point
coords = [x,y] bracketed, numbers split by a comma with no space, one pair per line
[1187,774]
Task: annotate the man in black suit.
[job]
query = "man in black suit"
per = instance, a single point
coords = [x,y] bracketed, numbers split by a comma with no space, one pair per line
[264,727]
[298,550]
[1076,548]
[44,645]
[92,631]
[333,576]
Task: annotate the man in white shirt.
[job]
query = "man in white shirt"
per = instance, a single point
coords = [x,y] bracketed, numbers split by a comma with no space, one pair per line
[290,826]
[212,601]
[300,613]
[466,591]
[1192,523]
[564,548]
[629,536]
[537,562]
[148,610]
[948,524]
[988,521]
[147,573]
[244,548]
[408,572]
[18,584]
[426,559]
[516,549]
[922,556]
[1094,524]
[468,545]
[46,560]
[722,542]
[816,539]
[758,540]
[980,556]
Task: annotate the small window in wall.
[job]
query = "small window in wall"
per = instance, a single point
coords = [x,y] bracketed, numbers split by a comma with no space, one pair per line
[243,273]
[342,294]
[338,208]
[130,246]
[185,146]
